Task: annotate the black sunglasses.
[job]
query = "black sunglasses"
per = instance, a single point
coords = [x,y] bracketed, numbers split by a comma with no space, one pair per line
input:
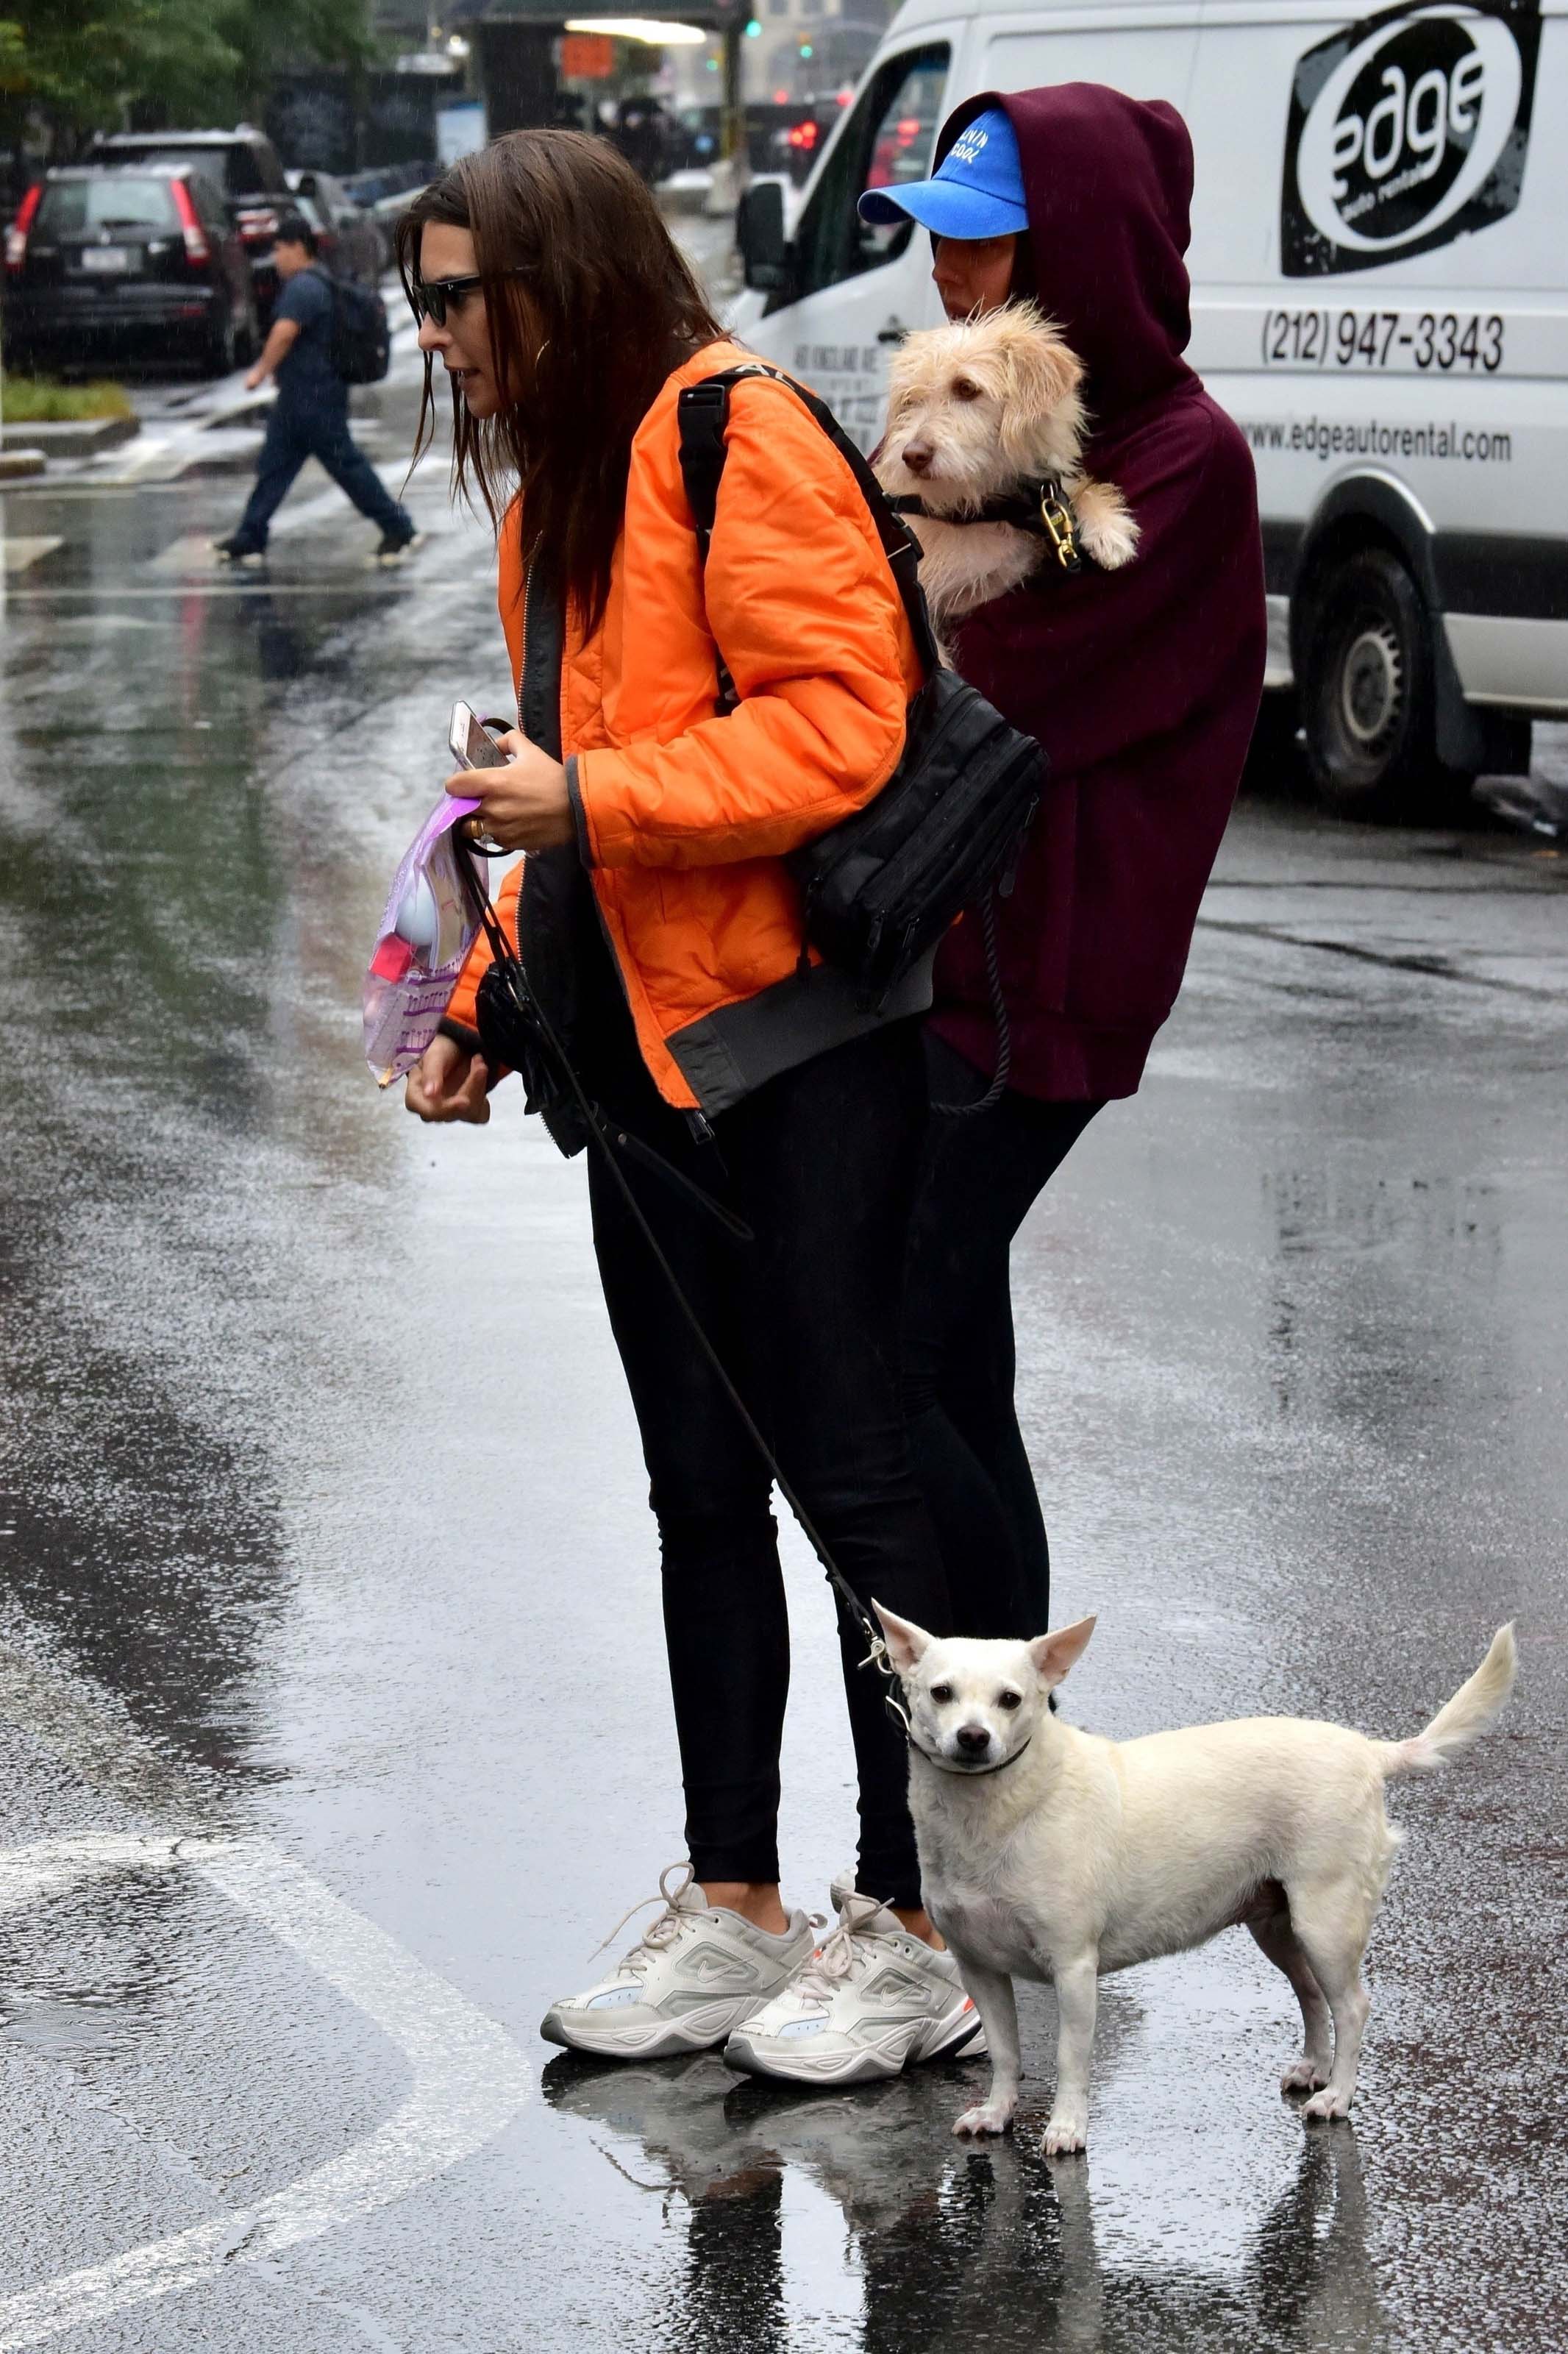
[428,297]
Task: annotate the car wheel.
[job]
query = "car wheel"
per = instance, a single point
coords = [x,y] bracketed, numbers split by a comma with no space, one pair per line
[1368,696]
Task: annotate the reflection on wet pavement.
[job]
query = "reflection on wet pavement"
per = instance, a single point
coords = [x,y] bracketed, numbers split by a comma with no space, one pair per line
[948,2243]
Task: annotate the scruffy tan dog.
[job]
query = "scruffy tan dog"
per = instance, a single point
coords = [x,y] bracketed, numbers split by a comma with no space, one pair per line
[978,414]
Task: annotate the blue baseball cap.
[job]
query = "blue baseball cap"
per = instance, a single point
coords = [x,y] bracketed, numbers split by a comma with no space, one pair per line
[977,192]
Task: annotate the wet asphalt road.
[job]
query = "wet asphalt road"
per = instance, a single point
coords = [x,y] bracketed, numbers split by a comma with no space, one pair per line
[333,1722]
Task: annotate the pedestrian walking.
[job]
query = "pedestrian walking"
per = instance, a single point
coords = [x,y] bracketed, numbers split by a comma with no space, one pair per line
[664,935]
[310,417]
[1143,685]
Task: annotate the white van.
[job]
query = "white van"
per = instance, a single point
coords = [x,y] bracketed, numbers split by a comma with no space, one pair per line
[1380,297]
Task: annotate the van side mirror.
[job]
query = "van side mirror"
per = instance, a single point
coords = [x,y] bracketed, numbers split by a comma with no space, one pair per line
[759,236]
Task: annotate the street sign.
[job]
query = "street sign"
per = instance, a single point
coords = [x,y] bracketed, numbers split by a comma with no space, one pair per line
[587,57]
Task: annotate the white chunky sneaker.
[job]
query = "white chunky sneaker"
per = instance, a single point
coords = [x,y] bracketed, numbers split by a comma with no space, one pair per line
[871,1999]
[696,1973]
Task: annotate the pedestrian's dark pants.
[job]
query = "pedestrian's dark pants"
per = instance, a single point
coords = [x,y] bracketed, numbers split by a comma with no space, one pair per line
[820,1164]
[980,1177]
[297,431]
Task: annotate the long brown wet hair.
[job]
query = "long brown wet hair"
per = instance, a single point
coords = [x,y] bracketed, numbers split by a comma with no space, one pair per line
[602,308]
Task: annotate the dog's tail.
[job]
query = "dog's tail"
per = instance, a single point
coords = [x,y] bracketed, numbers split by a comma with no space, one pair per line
[1472,1712]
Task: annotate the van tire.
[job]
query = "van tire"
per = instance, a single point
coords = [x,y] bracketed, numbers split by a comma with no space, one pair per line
[1369,702]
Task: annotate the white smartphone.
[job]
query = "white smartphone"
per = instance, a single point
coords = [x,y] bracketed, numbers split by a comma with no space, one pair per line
[471,744]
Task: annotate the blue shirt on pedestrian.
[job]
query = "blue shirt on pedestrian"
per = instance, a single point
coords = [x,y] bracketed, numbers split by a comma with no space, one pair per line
[306,376]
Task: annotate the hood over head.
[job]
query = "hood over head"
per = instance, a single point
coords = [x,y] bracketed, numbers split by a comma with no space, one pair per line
[1108,183]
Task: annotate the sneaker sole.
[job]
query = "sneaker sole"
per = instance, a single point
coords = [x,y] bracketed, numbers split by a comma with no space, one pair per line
[957,2033]
[671,2039]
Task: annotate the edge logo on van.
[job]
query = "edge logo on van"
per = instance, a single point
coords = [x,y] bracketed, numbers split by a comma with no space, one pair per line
[1406,129]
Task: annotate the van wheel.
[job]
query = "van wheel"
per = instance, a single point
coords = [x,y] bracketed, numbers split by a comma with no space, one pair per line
[1367,699]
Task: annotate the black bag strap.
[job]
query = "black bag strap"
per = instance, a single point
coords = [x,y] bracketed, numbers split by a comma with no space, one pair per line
[703,412]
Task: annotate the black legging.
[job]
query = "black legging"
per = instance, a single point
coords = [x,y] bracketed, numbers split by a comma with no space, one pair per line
[980,1177]
[821,1164]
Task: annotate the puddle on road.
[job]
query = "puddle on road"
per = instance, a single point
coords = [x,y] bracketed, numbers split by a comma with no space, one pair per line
[912,2241]
[88,1976]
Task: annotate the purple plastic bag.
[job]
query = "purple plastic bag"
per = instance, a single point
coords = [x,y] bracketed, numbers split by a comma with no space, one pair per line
[427,931]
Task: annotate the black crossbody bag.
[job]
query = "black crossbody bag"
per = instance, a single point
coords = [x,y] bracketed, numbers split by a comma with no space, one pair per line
[881,887]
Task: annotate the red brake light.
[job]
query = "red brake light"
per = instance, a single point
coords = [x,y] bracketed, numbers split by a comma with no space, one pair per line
[196,247]
[257,221]
[16,235]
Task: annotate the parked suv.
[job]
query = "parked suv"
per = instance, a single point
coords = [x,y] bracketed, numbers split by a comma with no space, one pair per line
[350,240]
[241,164]
[122,257]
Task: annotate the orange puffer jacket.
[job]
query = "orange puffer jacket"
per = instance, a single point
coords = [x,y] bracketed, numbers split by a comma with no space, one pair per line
[684,817]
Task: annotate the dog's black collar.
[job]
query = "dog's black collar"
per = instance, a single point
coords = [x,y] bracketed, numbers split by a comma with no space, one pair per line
[1039,509]
[1020,510]
[967,1773]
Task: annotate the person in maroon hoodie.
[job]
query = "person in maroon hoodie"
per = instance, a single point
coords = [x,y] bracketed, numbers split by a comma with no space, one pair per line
[1143,685]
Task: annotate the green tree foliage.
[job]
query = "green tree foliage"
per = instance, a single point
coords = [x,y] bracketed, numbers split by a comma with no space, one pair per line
[73,67]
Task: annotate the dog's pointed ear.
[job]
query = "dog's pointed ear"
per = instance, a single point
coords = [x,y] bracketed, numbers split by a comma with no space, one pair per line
[907,1644]
[1055,1653]
[1043,375]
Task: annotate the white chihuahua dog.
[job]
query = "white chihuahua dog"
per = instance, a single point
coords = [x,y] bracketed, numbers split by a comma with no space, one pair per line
[1050,1853]
[978,414]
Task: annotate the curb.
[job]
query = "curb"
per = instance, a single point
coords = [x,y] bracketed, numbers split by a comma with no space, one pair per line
[77,438]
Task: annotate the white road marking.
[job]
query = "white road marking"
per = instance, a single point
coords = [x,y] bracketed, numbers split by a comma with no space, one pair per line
[18,552]
[469,2077]
[193,551]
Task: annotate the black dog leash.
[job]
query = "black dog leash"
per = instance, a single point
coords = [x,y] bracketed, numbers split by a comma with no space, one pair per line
[608,1135]
[531,1015]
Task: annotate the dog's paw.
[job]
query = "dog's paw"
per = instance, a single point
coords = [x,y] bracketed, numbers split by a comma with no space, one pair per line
[1104,525]
[1067,2133]
[986,2117]
[1325,2105]
[1303,2077]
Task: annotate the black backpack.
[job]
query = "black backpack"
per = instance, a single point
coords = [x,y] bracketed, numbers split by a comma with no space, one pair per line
[361,343]
[881,887]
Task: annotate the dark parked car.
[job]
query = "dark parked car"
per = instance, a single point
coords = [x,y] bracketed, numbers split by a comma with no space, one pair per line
[241,164]
[101,259]
[350,241]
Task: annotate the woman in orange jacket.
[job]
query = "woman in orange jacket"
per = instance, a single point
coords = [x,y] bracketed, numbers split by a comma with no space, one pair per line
[662,932]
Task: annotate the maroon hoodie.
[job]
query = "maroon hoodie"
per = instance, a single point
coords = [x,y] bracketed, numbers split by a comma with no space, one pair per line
[1142,685]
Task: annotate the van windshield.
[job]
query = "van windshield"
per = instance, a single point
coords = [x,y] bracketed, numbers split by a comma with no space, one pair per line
[74,207]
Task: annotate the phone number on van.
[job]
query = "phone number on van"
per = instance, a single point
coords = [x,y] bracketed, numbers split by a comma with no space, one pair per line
[1444,340]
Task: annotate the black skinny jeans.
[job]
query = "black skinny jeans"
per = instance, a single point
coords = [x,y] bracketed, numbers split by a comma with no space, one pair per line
[821,1164]
[980,1177]
[300,429]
